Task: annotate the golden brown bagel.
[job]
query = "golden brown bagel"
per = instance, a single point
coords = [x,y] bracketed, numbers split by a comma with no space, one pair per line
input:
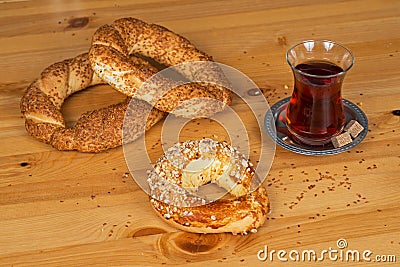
[109,57]
[94,131]
[173,198]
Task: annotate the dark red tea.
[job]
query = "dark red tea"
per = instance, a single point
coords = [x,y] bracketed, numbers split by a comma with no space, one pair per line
[315,112]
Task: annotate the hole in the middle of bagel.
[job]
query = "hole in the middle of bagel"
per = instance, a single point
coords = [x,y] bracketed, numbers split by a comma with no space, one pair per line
[101,96]
[204,169]
[92,98]
[199,175]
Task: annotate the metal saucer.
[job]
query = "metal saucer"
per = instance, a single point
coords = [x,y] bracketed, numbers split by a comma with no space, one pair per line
[275,119]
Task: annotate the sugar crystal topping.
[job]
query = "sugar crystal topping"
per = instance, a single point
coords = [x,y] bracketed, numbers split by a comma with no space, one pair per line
[165,179]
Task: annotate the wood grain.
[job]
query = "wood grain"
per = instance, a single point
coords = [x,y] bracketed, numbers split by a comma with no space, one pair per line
[73,209]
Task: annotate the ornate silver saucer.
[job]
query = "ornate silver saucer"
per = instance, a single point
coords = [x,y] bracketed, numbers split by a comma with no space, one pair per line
[276,118]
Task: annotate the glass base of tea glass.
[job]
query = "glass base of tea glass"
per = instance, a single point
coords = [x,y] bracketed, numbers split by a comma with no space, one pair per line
[312,141]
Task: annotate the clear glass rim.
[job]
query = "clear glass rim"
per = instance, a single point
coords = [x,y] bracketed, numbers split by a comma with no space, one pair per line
[320,76]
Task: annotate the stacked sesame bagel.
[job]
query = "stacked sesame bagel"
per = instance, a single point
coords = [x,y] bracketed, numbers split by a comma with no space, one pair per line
[96,130]
[118,56]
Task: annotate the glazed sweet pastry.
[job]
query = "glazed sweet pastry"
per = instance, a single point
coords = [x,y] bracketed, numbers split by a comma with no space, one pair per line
[187,166]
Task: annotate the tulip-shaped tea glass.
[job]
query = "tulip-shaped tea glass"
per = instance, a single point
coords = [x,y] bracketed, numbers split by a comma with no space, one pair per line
[315,112]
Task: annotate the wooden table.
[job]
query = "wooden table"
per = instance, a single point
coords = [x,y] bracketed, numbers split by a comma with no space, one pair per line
[76,209]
